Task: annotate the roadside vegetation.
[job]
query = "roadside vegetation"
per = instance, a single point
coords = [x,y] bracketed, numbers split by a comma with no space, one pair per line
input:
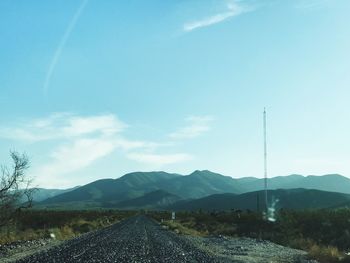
[18,222]
[325,234]
[61,225]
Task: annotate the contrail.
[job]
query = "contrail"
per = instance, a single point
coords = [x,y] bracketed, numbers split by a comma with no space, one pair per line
[61,45]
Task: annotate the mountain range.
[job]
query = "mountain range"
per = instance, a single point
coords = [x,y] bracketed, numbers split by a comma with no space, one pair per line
[202,189]
[40,194]
[282,198]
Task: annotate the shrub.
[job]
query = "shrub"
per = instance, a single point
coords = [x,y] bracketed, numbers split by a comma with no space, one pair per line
[325,254]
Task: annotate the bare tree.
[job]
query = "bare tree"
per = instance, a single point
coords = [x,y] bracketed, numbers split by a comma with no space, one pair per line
[15,191]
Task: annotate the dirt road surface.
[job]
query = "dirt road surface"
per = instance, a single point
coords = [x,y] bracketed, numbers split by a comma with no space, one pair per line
[141,239]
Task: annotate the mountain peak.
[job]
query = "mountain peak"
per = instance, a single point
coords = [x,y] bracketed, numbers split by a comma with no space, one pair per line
[204,173]
[328,176]
[146,177]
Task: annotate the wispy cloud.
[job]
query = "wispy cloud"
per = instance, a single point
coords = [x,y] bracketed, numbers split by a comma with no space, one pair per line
[61,45]
[233,9]
[310,4]
[80,153]
[159,160]
[197,125]
[74,156]
[80,141]
[62,125]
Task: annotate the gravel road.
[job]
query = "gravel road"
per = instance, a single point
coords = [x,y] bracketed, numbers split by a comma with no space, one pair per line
[140,239]
[137,239]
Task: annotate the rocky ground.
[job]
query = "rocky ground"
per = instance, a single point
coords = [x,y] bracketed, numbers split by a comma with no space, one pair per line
[140,239]
[249,250]
[20,249]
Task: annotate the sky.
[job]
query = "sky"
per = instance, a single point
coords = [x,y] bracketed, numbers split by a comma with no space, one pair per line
[96,89]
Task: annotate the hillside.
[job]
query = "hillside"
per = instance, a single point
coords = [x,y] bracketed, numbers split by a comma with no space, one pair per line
[110,192]
[154,200]
[40,194]
[113,191]
[329,182]
[283,198]
[199,184]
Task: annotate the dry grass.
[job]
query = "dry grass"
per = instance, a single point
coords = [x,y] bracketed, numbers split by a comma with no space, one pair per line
[295,229]
[62,226]
[182,229]
[61,233]
[325,254]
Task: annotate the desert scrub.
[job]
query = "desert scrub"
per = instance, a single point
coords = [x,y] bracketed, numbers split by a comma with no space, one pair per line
[325,254]
[182,229]
[324,233]
[62,225]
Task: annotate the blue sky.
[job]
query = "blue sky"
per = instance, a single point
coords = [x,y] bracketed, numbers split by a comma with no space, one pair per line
[95,89]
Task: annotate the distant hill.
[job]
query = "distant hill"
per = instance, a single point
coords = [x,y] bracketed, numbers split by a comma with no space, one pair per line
[112,191]
[197,185]
[201,183]
[283,198]
[329,182]
[41,194]
[158,199]
[109,192]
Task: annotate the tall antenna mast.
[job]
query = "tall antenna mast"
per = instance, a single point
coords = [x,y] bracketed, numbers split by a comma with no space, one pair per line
[265,163]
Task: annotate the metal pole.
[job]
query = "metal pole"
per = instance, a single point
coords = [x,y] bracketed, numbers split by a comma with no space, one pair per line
[265,163]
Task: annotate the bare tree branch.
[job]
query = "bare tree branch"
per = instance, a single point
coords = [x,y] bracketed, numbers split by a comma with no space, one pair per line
[14,187]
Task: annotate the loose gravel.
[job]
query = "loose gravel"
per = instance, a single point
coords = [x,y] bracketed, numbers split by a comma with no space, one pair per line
[137,239]
[16,250]
[249,250]
[141,239]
